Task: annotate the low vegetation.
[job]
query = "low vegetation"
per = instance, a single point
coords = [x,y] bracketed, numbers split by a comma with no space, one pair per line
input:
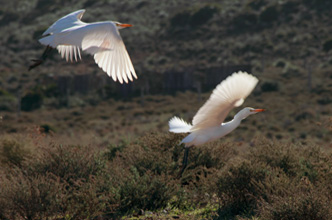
[267,180]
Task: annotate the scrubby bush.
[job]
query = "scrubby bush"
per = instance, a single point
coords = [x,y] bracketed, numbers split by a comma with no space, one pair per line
[29,197]
[31,101]
[82,182]
[269,87]
[70,163]
[245,20]
[194,18]
[7,101]
[147,191]
[236,188]
[327,46]
[277,181]
[298,200]
[12,152]
[291,70]
[203,15]
[269,14]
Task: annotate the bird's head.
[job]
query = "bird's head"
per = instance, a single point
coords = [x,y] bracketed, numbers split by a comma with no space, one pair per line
[244,113]
[121,26]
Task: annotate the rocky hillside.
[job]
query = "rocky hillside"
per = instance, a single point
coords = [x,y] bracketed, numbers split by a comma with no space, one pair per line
[182,36]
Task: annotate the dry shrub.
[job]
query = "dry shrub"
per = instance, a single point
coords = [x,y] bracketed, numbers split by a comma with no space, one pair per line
[155,153]
[12,152]
[144,172]
[28,197]
[277,181]
[291,199]
[69,181]
[236,188]
[69,163]
[89,199]
[276,155]
[146,192]
[150,169]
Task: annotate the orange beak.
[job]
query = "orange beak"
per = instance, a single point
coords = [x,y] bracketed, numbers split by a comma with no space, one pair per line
[125,25]
[258,110]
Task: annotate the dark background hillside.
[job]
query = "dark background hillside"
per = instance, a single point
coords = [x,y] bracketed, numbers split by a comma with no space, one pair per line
[174,46]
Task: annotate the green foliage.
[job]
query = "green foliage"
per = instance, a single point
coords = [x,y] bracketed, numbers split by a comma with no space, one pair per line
[7,101]
[203,15]
[31,101]
[47,129]
[270,87]
[51,90]
[194,18]
[3,92]
[245,20]
[327,46]
[269,14]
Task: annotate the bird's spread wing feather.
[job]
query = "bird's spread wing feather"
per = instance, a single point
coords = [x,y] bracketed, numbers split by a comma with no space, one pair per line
[100,39]
[228,94]
[65,22]
[70,52]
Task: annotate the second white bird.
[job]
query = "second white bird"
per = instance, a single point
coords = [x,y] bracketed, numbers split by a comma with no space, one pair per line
[100,39]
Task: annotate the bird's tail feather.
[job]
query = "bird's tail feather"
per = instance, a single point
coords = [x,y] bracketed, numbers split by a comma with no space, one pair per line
[178,125]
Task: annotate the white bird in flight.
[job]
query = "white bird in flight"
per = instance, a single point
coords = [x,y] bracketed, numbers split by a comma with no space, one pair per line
[207,124]
[69,35]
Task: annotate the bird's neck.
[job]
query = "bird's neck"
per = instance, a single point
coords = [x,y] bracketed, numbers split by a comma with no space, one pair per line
[228,127]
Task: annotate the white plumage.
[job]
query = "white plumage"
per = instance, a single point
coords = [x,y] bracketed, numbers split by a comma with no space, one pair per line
[178,125]
[100,39]
[207,124]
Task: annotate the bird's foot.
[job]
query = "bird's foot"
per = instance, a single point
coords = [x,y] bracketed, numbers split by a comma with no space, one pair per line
[36,63]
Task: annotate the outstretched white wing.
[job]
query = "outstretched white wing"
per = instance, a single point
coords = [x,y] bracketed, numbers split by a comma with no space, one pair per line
[101,39]
[230,93]
[65,22]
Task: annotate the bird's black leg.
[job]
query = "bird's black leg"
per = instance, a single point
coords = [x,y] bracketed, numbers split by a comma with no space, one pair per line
[185,159]
[37,62]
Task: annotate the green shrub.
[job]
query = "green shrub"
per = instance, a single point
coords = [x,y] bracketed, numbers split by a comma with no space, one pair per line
[7,101]
[181,19]
[327,46]
[245,20]
[203,15]
[31,101]
[270,87]
[47,129]
[269,14]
